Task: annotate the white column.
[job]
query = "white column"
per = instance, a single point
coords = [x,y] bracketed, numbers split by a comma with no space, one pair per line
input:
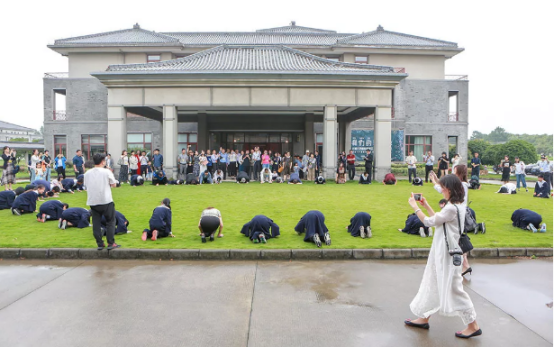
[117,133]
[329,155]
[170,131]
[382,142]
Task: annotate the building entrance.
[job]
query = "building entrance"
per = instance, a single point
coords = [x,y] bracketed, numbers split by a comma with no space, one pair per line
[274,142]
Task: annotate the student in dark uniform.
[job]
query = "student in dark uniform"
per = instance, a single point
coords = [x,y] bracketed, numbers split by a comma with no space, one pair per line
[364,178]
[260,229]
[45,183]
[27,202]
[417,181]
[320,180]
[160,222]
[68,185]
[191,179]
[360,225]
[175,182]
[159,178]
[415,227]
[74,217]
[243,177]
[121,224]
[51,210]
[542,188]
[136,180]
[7,197]
[528,220]
[79,184]
[313,224]
[368,159]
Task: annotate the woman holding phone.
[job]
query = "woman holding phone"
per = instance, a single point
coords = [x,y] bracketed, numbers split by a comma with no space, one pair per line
[441,288]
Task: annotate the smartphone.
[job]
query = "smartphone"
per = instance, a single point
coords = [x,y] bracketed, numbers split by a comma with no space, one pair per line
[418,196]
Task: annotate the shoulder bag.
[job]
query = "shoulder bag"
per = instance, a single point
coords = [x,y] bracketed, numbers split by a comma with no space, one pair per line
[464,242]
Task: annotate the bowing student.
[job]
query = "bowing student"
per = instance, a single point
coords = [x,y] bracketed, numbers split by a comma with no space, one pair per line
[7,197]
[121,224]
[414,226]
[243,177]
[137,180]
[260,229]
[159,178]
[360,225]
[528,220]
[320,180]
[210,221]
[27,202]
[74,217]
[313,224]
[160,222]
[51,210]
[68,185]
[191,179]
[206,177]
[295,178]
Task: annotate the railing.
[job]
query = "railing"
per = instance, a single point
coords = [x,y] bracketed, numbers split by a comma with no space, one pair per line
[56,75]
[453,117]
[400,70]
[59,115]
[456,77]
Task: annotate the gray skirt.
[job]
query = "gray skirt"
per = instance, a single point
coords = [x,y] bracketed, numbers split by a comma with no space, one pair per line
[8,176]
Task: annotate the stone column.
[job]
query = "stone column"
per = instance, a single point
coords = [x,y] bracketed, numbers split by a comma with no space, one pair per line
[117,134]
[382,142]
[203,131]
[309,134]
[170,130]
[329,155]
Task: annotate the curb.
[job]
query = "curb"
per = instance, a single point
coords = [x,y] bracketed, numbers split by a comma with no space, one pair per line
[254,254]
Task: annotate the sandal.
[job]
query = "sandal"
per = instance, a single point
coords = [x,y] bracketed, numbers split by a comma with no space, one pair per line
[220,235]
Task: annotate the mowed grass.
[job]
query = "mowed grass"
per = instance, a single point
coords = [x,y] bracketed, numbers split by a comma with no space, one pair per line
[285,204]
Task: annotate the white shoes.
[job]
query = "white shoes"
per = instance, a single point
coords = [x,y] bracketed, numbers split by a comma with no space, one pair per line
[368,232]
[362,232]
[422,232]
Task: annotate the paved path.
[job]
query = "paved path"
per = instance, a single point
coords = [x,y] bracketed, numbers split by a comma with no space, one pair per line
[320,303]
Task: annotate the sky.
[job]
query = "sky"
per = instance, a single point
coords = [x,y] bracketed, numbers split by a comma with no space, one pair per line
[508,52]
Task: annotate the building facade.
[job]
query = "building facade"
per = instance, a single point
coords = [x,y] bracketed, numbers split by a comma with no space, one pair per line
[290,88]
[10,131]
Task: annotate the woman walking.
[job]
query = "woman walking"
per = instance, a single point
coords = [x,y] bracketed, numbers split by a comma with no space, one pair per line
[441,288]
[123,167]
[520,173]
[8,174]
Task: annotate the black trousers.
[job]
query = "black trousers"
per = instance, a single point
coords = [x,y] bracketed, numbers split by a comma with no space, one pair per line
[410,173]
[474,171]
[257,169]
[369,170]
[223,167]
[428,168]
[351,171]
[108,211]
[80,171]
[209,225]
[233,168]
[61,171]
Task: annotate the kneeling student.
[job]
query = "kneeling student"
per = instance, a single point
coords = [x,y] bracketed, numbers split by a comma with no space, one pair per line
[542,188]
[474,183]
[414,226]
[243,177]
[320,180]
[27,202]
[260,229]
[159,178]
[206,177]
[51,210]
[364,178]
[218,176]
[121,224]
[508,188]
[68,184]
[528,220]
[276,178]
[80,184]
[160,222]
[191,178]
[389,179]
[265,176]
[360,225]
[294,178]
[175,182]
[7,197]
[313,224]
[137,180]
[210,221]
[417,181]
[74,217]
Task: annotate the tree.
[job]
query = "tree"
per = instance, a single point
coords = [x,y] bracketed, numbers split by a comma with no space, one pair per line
[480,146]
[522,149]
[41,131]
[19,139]
[498,135]
[493,155]
[476,135]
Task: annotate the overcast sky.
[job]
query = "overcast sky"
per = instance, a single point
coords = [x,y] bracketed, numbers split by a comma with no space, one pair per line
[508,48]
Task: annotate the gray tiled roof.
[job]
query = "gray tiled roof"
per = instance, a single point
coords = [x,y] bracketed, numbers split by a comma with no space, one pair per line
[11,126]
[257,38]
[134,36]
[293,28]
[254,59]
[381,37]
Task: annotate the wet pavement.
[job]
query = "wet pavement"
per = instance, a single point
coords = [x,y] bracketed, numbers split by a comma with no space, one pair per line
[320,303]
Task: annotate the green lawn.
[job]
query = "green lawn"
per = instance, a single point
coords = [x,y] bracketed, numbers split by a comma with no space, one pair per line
[285,204]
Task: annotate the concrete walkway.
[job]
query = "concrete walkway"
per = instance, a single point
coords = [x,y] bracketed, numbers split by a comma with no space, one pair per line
[322,303]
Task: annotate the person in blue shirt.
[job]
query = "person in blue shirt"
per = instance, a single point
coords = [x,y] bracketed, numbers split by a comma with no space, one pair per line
[74,217]
[160,222]
[295,178]
[546,170]
[59,165]
[313,224]
[27,202]
[158,160]
[206,177]
[7,197]
[78,163]
[136,180]
[260,229]
[159,178]
[475,164]
[51,210]
[223,161]
[542,188]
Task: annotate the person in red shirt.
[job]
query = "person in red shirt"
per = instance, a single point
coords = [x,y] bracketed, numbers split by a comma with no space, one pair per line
[389,179]
[351,165]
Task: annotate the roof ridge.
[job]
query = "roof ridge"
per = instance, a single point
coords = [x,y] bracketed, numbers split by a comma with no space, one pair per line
[21,126]
[381,30]
[161,35]
[258,33]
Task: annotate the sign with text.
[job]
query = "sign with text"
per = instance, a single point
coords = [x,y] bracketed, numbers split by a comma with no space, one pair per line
[362,140]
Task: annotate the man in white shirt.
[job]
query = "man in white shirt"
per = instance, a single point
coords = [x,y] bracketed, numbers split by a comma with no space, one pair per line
[429,160]
[411,161]
[99,182]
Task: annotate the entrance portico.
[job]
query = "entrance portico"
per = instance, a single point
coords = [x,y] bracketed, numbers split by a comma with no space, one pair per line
[253,97]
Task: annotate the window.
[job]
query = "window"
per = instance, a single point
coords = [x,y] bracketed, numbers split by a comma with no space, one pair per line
[453,106]
[361,59]
[139,141]
[452,146]
[59,104]
[60,145]
[153,58]
[188,139]
[319,143]
[419,144]
[334,57]
[92,144]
